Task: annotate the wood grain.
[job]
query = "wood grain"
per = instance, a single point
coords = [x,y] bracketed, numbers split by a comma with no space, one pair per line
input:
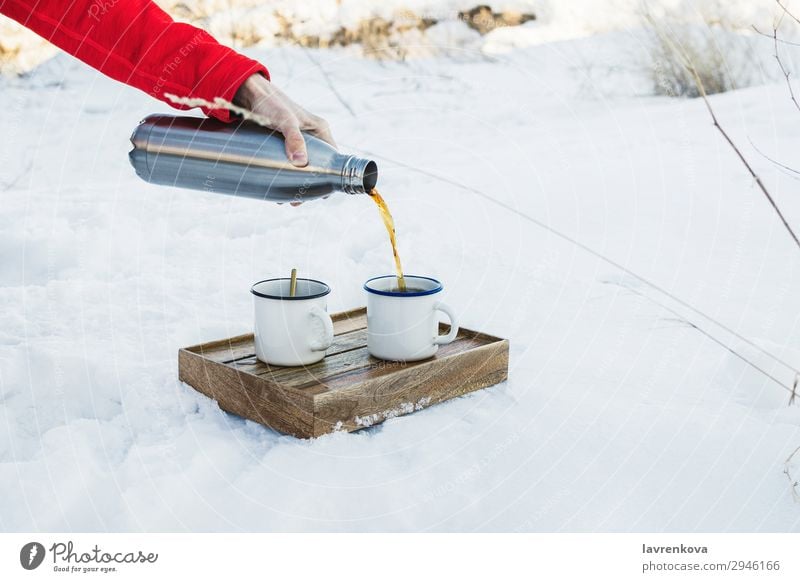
[247,395]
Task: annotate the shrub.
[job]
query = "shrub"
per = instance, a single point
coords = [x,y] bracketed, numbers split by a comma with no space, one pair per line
[722,56]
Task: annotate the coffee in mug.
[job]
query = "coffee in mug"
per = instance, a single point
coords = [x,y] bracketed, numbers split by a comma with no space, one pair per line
[402,325]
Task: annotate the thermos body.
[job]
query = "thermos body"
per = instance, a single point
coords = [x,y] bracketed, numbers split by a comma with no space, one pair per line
[241,159]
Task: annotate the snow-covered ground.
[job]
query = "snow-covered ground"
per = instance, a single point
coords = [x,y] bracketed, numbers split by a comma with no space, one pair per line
[618,414]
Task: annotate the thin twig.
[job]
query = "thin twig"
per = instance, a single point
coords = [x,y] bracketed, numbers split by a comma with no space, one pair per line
[9,185]
[687,63]
[787,12]
[784,70]
[787,471]
[747,165]
[776,162]
[331,86]
[780,40]
[696,327]
[794,389]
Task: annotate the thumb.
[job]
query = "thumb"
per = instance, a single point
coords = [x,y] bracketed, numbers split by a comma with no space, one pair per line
[295,145]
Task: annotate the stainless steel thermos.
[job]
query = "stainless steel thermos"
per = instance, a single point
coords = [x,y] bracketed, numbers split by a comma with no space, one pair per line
[242,159]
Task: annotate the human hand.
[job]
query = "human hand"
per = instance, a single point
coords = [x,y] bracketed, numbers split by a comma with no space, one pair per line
[284,115]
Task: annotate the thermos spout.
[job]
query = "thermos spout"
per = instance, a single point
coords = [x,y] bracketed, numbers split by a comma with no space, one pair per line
[359,176]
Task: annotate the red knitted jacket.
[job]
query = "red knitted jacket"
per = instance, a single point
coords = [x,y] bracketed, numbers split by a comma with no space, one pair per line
[137,43]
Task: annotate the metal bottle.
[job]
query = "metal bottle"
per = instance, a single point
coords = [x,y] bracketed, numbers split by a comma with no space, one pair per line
[241,159]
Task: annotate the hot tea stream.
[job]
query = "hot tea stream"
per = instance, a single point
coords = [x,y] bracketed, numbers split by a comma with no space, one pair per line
[388,221]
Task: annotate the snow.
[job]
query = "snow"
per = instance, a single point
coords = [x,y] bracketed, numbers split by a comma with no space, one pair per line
[617,416]
[403,408]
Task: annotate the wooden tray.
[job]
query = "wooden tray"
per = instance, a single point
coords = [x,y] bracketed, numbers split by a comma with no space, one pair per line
[349,389]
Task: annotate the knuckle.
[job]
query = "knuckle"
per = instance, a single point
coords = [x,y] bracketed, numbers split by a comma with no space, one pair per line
[287,120]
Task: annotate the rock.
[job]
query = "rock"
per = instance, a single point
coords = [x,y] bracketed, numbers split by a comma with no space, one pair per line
[484,20]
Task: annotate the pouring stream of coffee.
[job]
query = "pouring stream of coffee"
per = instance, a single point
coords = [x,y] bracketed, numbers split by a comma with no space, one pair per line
[388,221]
[293,283]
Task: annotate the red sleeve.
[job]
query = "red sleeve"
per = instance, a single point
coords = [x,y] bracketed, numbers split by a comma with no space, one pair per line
[137,43]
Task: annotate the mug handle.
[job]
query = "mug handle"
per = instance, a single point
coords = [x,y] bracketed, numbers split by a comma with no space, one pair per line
[316,344]
[448,311]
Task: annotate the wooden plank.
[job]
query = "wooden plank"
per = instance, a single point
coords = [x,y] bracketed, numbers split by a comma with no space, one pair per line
[224,350]
[348,321]
[347,341]
[209,347]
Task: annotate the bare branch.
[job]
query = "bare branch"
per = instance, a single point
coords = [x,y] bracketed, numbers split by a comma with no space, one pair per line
[784,70]
[787,12]
[776,162]
[793,483]
[780,40]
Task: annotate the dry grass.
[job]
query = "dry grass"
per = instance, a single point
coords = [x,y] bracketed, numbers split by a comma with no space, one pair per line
[722,58]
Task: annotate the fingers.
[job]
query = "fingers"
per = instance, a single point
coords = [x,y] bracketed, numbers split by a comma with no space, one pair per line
[288,118]
[295,144]
[318,127]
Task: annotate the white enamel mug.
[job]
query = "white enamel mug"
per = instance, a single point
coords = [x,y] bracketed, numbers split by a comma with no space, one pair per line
[404,326]
[291,330]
